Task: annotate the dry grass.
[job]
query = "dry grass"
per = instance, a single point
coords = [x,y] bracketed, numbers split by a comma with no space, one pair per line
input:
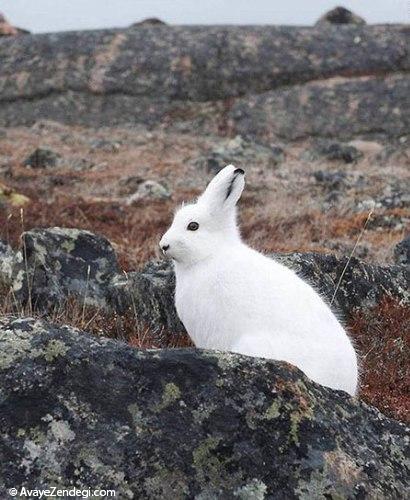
[126,327]
[382,337]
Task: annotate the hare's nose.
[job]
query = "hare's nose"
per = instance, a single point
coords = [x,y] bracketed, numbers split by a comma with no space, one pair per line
[164,248]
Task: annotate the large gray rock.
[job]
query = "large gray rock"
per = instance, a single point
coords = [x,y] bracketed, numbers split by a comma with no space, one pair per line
[363,286]
[166,75]
[81,411]
[57,263]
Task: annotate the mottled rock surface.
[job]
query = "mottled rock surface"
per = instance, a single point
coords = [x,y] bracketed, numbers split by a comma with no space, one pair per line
[57,263]
[150,294]
[363,286]
[220,79]
[183,423]
[7,260]
[402,252]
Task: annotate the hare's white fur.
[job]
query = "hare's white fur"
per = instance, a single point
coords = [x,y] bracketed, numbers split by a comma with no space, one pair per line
[232,298]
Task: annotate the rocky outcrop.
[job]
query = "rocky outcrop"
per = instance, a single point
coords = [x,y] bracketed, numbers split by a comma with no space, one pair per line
[182,423]
[223,79]
[57,263]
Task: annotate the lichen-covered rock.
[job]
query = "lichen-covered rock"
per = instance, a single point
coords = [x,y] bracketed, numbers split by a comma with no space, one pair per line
[363,286]
[64,262]
[150,295]
[182,423]
[340,15]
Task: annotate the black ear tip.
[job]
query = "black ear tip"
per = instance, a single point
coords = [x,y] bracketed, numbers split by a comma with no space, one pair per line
[239,171]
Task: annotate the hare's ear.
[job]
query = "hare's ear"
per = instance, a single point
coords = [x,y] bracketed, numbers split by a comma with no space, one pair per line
[225,189]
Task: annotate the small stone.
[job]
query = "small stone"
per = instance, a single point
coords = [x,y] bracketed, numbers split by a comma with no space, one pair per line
[150,21]
[332,151]
[106,145]
[130,184]
[149,190]
[81,164]
[340,15]
[402,252]
[330,180]
[43,158]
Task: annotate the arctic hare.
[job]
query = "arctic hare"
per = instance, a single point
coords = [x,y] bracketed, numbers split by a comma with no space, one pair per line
[232,298]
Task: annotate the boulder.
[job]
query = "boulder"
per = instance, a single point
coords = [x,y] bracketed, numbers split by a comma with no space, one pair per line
[363,286]
[57,263]
[79,410]
[43,158]
[340,15]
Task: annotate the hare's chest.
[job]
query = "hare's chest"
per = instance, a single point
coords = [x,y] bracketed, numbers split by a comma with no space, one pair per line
[200,305]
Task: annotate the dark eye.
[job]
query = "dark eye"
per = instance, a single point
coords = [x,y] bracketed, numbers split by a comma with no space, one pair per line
[193,226]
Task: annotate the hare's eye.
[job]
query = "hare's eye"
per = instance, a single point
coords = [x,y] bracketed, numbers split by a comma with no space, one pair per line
[193,226]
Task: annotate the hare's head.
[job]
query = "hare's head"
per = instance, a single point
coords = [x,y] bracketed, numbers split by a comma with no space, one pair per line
[201,229]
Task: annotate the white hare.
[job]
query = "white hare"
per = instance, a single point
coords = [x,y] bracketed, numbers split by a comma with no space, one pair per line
[232,298]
